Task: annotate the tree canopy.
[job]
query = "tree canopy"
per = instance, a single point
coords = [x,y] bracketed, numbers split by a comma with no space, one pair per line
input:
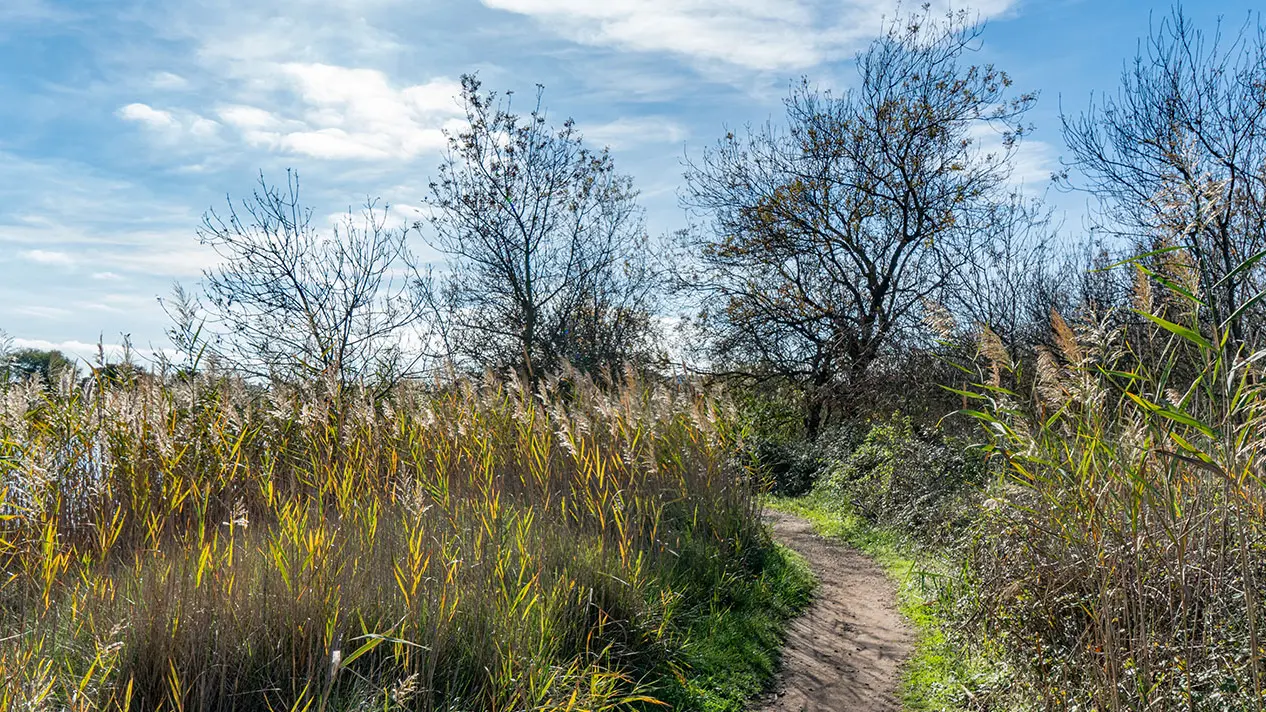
[549,257]
[823,241]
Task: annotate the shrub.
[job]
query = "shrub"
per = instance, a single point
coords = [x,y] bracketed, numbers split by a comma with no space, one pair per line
[787,469]
[907,476]
[774,445]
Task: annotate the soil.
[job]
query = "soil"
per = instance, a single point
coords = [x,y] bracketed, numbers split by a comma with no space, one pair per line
[846,650]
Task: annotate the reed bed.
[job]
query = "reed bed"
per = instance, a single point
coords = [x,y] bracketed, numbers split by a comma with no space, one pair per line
[203,544]
[1119,562]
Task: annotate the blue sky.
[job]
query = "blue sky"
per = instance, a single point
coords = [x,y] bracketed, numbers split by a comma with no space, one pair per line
[122,121]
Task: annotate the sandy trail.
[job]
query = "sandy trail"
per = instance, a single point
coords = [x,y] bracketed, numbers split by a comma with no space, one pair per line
[845,652]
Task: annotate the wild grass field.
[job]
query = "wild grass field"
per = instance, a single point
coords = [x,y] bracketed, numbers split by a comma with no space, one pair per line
[205,544]
[1120,556]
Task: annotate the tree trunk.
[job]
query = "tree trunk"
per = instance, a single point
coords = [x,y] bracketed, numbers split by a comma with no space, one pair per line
[814,408]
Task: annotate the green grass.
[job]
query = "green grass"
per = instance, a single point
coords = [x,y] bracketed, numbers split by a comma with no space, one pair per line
[942,674]
[732,648]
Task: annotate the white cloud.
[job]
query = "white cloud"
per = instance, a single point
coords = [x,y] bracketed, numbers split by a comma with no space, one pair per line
[46,201]
[348,113]
[119,303]
[248,118]
[118,252]
[172,255]
[305,79]
[88,354]
[756,34]
[169,124]
[1032,161]
[148,115]
[76,349]
[120,244]
[43,313]
[51,258]
[115,252]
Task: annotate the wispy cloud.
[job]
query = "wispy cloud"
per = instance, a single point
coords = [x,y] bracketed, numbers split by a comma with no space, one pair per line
[82,253]
[32,11]
[628,132]
[52,258]
[169,125]
[61,206]
[40,311]
[755,34]
[1032,161]
[168,81]
[1034,164]
[119,303]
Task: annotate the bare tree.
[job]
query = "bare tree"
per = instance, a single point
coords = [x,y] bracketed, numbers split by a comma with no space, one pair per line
[827,238]
[1177,159]
[295,303]
[550,257]
[1016,278]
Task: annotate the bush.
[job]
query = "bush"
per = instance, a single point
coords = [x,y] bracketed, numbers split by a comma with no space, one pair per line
[907,476]
[787,469]
[774,448]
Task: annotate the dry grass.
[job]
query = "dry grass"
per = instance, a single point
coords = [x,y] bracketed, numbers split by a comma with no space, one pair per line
[209,546]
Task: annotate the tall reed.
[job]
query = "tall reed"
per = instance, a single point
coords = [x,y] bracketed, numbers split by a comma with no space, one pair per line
[210,545]
[1120,559]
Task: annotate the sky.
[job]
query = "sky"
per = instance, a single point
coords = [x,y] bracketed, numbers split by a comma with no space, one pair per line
[123,121]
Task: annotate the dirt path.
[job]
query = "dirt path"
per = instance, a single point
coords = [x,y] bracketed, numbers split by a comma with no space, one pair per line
[846,650]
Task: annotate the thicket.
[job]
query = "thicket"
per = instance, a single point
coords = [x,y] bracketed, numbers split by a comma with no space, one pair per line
[208,544]
[907,476]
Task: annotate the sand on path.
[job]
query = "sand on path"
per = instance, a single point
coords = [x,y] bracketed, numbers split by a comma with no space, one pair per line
[846,650]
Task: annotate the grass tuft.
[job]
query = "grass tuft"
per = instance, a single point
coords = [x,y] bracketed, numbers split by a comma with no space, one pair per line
[736,645]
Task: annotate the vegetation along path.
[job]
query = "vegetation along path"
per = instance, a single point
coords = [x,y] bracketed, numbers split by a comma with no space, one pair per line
[845,652]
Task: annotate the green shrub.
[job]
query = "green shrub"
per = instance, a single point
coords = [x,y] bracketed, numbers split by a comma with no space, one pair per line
[774,446]
[787,469]
[907,476]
